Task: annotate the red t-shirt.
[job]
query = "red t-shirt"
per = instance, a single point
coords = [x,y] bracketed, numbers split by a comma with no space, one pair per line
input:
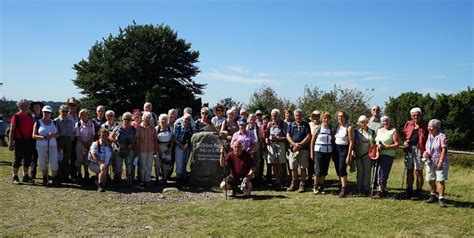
[239,165]
[25,125]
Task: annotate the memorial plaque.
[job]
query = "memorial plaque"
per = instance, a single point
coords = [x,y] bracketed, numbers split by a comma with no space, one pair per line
[205,168]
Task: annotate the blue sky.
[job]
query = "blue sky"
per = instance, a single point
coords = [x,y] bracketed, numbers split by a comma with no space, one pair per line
[391,46]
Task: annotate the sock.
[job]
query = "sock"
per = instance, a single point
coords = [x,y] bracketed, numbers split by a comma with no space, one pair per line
[432,193]
[441,197]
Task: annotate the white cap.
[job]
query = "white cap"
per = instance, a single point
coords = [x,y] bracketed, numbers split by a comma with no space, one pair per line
[258,112]
[242,110]
[415,110]
[316,112]
[362,118]
[47,109]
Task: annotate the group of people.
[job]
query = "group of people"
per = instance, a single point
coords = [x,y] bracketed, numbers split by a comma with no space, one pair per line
[73,144]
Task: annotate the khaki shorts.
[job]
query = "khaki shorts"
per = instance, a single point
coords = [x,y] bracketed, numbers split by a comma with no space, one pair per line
[276,153]
[299,159]
[433,174]
[414,158]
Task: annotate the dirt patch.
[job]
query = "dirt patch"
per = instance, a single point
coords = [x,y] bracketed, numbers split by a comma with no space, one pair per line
[164,198]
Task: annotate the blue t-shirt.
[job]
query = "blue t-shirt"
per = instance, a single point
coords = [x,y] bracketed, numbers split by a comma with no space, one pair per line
[299,132]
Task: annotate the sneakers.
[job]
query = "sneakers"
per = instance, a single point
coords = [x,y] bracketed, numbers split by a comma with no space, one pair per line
[15,179]
[26,178]
[301,188]
[442,202]
[342,193]
[431,199]
[292,187]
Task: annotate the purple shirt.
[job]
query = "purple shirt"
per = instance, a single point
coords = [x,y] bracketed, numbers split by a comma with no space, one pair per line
[248,139]
[434,146]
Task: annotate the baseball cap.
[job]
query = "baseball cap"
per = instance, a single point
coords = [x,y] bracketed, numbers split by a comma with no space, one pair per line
[47,109]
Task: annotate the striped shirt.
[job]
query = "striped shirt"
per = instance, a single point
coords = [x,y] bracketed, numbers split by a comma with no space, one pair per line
[146,138]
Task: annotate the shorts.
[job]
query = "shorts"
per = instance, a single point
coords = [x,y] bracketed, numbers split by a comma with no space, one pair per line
[94,168]
[299,159]
[321,163]
[433,174]
[413,158]
[233,182]
[23,153]
[276,153]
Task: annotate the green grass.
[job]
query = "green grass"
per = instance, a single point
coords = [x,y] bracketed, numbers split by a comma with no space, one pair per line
[28,210]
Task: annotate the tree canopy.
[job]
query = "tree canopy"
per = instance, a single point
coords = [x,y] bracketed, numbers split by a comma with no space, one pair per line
[455,112]
[141,63]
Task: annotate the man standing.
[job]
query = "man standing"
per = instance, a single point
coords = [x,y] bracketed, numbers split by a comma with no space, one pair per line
[99,120]
[241,168]
[374,122]
[148,107]
[21,140]
[298,136]
[65,128]
[415,134]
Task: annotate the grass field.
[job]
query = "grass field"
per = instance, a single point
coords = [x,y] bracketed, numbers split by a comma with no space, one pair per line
[29,210]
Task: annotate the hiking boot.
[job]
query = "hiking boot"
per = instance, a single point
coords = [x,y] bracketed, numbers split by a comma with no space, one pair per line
[26,178]
[45,181]
[431,199]
[301,188]
[56,181]
[342,193]
[15,179]
[442,202]
[416,196]
[100,188]
[378,195]
[292,187]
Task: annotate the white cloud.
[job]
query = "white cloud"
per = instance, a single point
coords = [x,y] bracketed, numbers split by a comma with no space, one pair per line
[237,68]
[236,78]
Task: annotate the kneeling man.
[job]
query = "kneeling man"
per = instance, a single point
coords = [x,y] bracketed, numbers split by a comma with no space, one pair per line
[242,169]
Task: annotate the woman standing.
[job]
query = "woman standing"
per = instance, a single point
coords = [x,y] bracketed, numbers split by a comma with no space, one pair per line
[183,133]
[387,141]
[112,125]
[146,147]
[204,120]
[363,161]
[124,137]
[165,144]
[344,140]
[322,144]
[45,134]
[437,164]
[84,133]
[219,117]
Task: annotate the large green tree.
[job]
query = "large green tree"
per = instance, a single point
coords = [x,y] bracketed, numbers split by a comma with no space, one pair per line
[141,63]
[266,99]
[454,110]
[352,101]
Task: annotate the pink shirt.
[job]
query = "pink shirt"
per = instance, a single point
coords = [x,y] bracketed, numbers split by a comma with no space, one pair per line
[434,146]
[86,130]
